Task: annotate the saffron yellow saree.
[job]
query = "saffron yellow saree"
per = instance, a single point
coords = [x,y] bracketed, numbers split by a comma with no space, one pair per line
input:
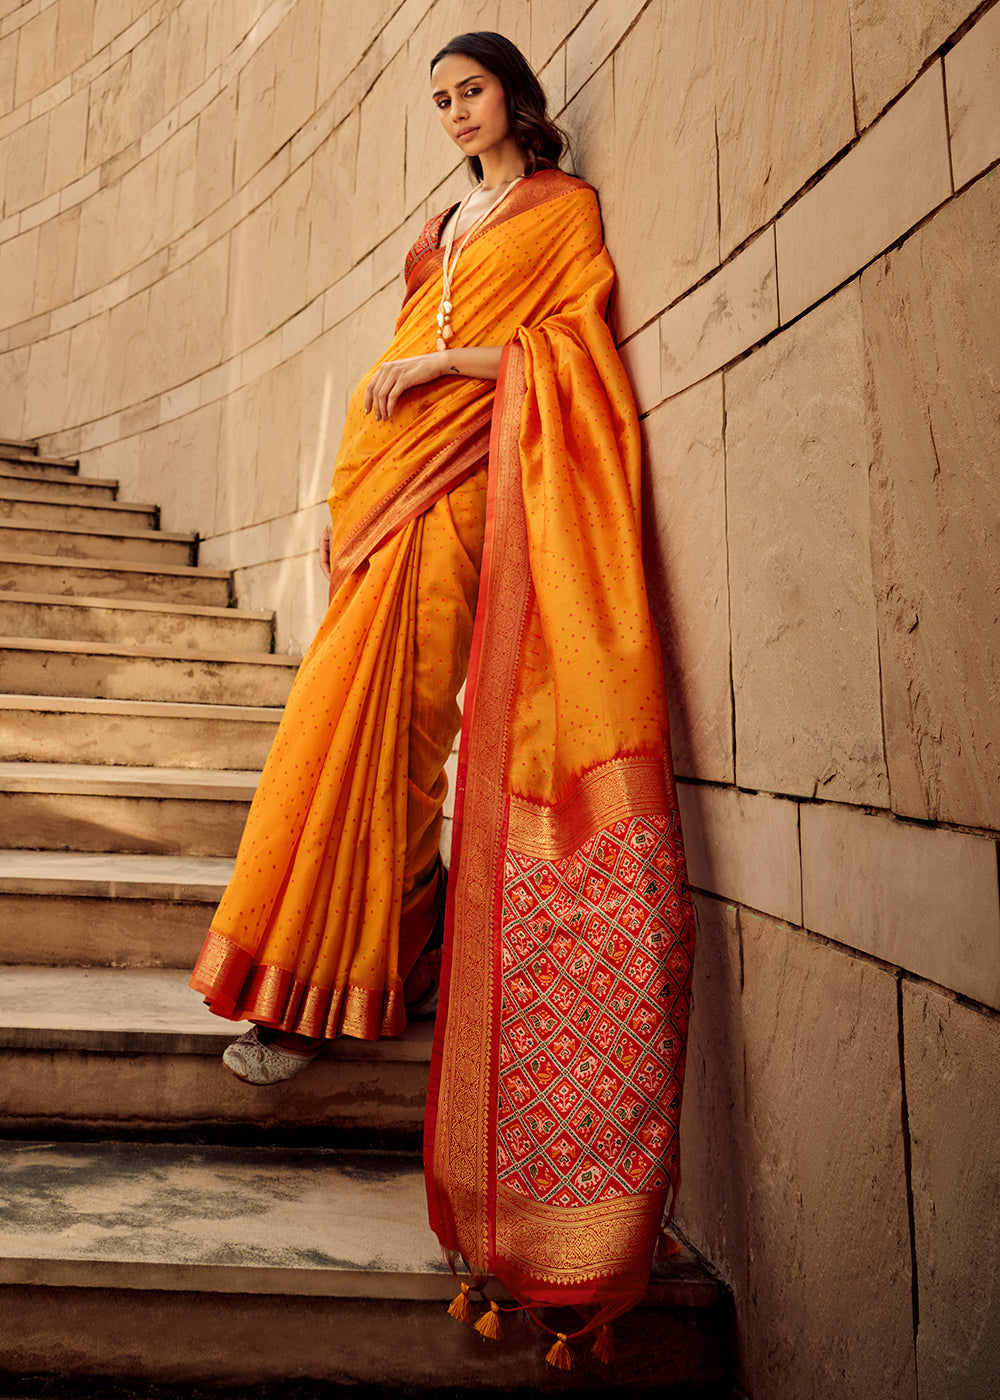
[551,1133]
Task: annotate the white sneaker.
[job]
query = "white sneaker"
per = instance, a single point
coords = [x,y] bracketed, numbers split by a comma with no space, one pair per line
[256,1062]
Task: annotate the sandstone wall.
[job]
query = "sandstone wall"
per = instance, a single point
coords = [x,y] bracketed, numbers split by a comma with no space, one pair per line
[206,204]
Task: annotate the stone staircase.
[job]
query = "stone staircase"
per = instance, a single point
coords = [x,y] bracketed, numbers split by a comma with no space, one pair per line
[163,1225]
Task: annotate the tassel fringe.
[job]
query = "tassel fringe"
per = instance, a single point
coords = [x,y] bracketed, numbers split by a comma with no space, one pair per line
[604,1345]
[559,1354]
[459,1309]
[489,1324]
[667,1247]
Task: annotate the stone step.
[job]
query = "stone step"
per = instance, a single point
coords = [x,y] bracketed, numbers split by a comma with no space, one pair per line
[116,672]
[24,508]
[79,542]
[67,729]
[84,909]
[134,622]
[31,479]
[159,811]
[247,1267]
[110,578]
[134,1051]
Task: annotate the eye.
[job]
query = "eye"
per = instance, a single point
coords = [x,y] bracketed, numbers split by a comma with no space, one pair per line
[442,104]
[473,91]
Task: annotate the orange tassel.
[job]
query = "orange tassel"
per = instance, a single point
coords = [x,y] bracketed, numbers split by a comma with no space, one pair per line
[460,1307]
[604,1345]
[489,1324]
[560,1355]
[667,1247]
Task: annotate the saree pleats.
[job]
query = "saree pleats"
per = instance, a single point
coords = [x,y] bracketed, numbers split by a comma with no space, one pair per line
[341,842]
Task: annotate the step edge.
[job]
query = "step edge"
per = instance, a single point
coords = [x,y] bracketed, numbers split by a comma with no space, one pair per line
[64,647]
[118,604]
[149,709]
[128,566]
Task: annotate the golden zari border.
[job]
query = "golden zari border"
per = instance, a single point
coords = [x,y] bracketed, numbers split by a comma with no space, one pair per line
[631,786]
[579,1243]
[464,1143]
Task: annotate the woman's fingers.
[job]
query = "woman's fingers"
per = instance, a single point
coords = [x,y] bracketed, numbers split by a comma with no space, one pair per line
[393,378]
[324,551]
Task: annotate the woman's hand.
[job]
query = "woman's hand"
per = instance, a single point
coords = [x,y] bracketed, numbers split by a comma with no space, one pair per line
[394,377]
[324,551]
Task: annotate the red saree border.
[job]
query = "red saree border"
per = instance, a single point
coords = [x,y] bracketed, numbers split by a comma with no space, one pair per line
[460,1126]
[540,188]
[411,498]
[274,996]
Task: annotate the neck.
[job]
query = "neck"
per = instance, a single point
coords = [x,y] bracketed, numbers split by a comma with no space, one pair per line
[502,164]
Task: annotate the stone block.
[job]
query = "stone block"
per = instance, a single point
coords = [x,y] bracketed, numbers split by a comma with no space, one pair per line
[175,185]
[111,17]
[8,72]
[129,377]
[95,252]
[13,387]
[18,259]
[972,73]
[345,33]
[684,528]
[276,478]
[247,310]
[743,846]
[952,1059]
[783,76]
[712,1205]
[933,342]
[550,23]
[588,120]
[139,230]
[237,460]
[923,898]
[67,142]
[25,182]
[331,193]
[720,319]
[890,42]
[88,365]
[641,358]
[595,38]
[184,67]
[186,498]
[45,385]
[381,149]
[805,651]
[897,173]
[110,123]
[664,140]
[296,56]
[36,55]
[146,101]
[213,182]
[830,1282]
[288,247]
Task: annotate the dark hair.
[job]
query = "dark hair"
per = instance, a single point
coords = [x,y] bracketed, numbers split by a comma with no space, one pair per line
[539,137]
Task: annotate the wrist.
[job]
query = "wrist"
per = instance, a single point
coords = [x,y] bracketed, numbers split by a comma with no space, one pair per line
[445,362]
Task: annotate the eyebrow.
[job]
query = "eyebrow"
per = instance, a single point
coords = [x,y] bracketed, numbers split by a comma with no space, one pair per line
[443,92]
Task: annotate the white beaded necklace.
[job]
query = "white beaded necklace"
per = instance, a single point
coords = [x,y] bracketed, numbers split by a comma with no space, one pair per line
[448,265]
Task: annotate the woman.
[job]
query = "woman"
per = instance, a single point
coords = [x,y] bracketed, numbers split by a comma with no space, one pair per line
[496,436]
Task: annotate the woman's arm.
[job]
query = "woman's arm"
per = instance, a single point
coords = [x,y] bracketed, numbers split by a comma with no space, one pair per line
[396,376]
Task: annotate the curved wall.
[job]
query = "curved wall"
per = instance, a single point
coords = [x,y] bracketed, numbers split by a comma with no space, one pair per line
[206,208]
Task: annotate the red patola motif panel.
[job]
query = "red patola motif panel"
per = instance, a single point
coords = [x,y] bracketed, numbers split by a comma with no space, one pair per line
[596,958]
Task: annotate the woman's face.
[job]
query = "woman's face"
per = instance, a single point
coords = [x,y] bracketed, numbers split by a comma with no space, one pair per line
[471,103]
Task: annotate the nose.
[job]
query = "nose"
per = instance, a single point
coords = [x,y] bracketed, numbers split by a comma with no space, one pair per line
[459,111]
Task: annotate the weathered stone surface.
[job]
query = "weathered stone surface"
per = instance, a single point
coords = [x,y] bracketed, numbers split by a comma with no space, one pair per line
[550,23]
[721,318]
[8,71]
[743,846]
[25,183]
[805,657]
[687,575]
[381,147]
[595,37]
[18,257]
[890,42]
[45,386]
[830,1295]
[712,1205]
[896,174]
[933,343]
[660,208]
[925,899]
[13,382]
[56,266]
[64,160]
[36,55]
[331,192]
[784,104]
[95,262]
[952,1058]
[972,71]
[641,358]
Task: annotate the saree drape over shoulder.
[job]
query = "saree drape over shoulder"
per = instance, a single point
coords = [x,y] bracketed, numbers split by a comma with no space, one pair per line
[551,1136]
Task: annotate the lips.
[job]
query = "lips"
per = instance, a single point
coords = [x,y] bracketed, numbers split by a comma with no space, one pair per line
[469,131]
